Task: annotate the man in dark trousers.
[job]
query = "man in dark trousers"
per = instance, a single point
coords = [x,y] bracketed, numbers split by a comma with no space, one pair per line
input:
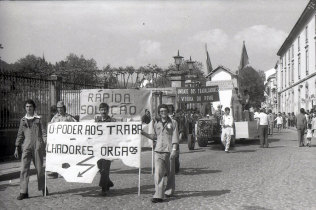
[104,165]
[301,125]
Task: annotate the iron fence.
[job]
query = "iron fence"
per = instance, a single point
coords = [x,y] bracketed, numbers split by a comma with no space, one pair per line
[14,91]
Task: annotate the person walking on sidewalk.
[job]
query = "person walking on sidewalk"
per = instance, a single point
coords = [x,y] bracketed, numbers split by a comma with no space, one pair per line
[31,140]
[301,123]
[167,137]
[227,129]
[309,135]
[271,122]
[104,165]
[263,128]
[279,122]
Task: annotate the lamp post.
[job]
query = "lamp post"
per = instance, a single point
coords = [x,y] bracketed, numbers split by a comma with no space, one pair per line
[178,60]
[190,65]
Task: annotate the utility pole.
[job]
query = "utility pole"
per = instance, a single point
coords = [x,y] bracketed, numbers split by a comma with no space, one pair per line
[0,57]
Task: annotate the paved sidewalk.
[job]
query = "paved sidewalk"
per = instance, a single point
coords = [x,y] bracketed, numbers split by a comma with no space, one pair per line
[280,177]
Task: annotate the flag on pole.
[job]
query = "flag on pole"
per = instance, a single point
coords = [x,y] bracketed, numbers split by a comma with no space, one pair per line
[244,60]
[208,61]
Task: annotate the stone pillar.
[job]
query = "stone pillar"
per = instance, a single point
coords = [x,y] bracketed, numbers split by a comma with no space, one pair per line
[55,89]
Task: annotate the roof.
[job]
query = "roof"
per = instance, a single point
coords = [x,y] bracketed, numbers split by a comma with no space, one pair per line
[308,12]
[271,76]
[223,68]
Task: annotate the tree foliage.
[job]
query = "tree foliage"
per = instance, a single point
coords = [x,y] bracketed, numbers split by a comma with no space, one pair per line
[251,80]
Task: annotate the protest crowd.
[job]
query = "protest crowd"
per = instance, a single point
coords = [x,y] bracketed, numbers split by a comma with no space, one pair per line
[169,128]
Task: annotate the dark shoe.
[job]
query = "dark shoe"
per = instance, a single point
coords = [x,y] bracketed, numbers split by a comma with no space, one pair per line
[53,175]
[23,196]
[156,200]
[103,192]
[111,184]
[46,192]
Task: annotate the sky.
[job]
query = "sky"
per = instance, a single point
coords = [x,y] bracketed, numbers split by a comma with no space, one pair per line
[137,33]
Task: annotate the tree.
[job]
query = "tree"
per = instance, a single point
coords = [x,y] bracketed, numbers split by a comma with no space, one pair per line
[33,66]
[251,80]
[77,69]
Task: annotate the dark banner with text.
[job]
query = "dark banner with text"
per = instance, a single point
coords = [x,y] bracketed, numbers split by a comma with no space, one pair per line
[197,94]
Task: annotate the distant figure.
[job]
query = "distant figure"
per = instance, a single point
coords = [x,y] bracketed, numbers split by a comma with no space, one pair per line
[146,118]
[279,122]
[227,129]
[271,122]
[301,123]
[237,106]
[245,105]
[309,135]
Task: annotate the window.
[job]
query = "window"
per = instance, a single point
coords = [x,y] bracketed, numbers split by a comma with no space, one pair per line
[285,76]
[306,34]
[292,72]
[292,49]
[298,43]
[289,55]
[299,66]
[289,74]
[307,61]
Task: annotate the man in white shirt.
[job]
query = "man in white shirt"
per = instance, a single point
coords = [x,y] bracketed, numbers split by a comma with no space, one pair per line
[227,128]
[263,122]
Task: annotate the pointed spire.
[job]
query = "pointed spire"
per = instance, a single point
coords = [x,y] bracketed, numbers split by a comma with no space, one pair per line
[244,60]
[208,61]
[43,57]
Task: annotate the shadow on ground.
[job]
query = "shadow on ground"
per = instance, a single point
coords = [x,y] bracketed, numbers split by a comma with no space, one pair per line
[190,194]
[254,208]
[146,170]
[197,171]
[94,191]
[4,186]
[14,175]
[193,151]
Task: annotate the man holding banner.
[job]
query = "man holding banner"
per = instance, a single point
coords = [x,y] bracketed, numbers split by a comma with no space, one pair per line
[167,137]
[104,165]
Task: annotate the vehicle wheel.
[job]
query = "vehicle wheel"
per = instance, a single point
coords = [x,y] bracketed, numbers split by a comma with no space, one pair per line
[202,142]
[191,142]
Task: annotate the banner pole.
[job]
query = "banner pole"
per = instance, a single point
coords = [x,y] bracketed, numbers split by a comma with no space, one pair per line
[45,183]
[140,168]
[152,159]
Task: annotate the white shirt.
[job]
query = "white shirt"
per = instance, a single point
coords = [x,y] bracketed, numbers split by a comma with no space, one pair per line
[279,120]
[263,118]
[228,120]
[255,115]
[309,133]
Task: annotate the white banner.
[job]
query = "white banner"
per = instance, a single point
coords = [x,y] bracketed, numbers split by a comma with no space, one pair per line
[73,148]
[124,103]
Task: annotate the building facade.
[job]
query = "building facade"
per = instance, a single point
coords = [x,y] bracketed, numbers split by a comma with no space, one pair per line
[226,80]
[271,93]
[296,69]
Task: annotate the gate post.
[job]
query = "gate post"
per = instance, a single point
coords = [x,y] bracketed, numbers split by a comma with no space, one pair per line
[55,89]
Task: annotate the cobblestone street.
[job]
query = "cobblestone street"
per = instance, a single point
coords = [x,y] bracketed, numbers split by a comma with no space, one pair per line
[280,177]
